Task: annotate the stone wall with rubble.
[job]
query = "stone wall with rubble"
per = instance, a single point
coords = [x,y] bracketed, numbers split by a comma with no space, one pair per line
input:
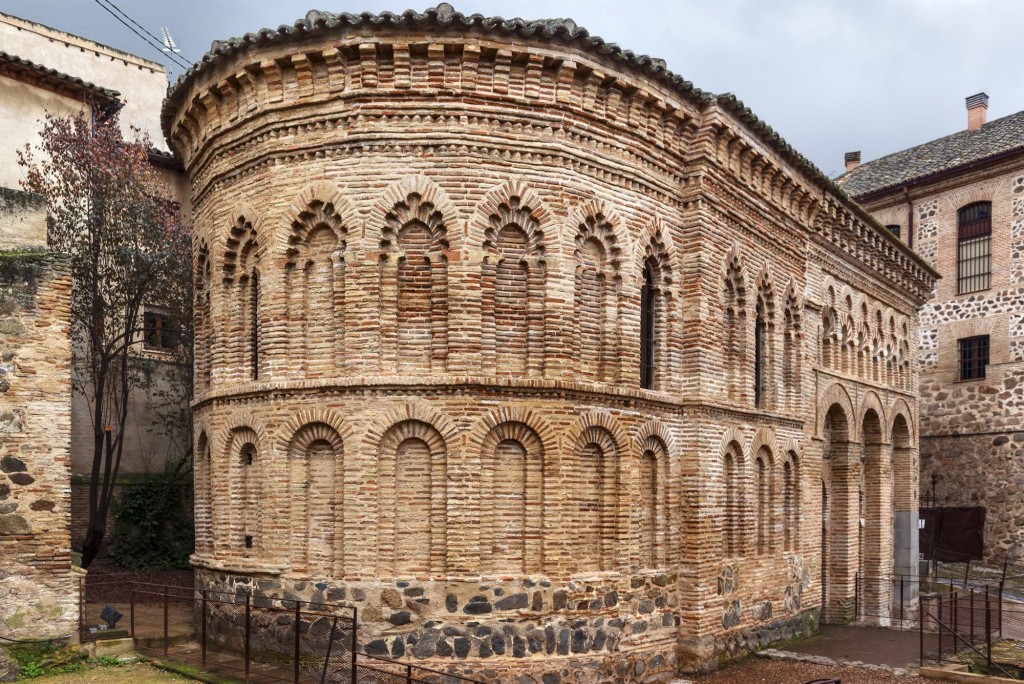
[421,252]
[38,589]
[972,432]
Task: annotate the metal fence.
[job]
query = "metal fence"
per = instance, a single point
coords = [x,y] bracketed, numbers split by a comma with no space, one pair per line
[887,600]
[269,640]
[979,627]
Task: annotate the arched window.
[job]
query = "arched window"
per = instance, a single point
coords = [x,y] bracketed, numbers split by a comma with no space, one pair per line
[974,248]
[733,503]
[596,494]
[735,329]
[791,503]
[654,504]
[249,494]
[648,332]
[253,325]
[596,299]
[760,349]
[764,502]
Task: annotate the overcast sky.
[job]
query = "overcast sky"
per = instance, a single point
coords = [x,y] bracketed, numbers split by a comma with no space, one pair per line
[830,75]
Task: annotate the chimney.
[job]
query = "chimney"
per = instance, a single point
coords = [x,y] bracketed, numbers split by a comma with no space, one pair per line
[977,108]
[852,160]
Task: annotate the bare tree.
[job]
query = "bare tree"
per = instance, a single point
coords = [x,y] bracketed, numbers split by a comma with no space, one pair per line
[113,218]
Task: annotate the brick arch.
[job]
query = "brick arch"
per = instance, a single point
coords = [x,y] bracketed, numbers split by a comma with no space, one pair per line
[511,234]
[413,229]
[765,438]
[245,226]
[731,436]
[656,534]
[600,419]
[654,429]
[899,407]
[736,304]
[315,499]
[420,411]
[433,204]
[599,211]
[655,241]
[504,203]
[959,199]
[512,494]
[243,421]
[594,466]
[245,481]
[417,545]
[871,402]
[734,523]
[513,414]
[837,395]
[204,504]
[289,431]
[322,193]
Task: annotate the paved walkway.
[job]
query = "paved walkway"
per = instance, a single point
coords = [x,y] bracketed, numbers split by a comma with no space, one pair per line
[873,645]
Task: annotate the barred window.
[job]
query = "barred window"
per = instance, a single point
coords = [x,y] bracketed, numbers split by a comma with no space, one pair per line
[894,229]
[760,328]
[973,357]
[974,247]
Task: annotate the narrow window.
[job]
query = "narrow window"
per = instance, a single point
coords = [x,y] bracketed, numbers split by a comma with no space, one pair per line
[973,357]
[759,340]
[894,229]
[647,329]
[974,248]
[254,326]
[732,506]
[763,507]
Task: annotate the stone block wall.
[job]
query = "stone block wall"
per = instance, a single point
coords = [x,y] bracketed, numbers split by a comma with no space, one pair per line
[972,432]
[38,591]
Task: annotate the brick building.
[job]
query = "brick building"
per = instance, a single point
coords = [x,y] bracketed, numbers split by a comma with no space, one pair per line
[959,202]
[539,355]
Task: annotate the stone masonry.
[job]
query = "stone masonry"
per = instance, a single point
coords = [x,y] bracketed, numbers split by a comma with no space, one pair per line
[424,245]
[38,590]
[972,431]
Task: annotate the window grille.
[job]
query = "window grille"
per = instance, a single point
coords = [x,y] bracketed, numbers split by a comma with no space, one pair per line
[647,329]
[973,357]
[974,248]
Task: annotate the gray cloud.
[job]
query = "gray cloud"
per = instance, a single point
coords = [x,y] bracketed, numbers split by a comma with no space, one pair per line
[829,75]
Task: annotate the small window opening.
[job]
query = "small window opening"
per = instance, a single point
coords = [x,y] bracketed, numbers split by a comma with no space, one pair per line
[248,541]
[647,329]
[973,357]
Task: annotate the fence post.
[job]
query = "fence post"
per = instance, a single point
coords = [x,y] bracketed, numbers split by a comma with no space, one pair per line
[902,599]
[298,643]
[956,622]
[165,623]
[204,618]
[988,630]
[81,609]
[248,632]
[920,629]
[408,674]
[131,609]
[355,644]
[972,616]
[856,596]
[940,626]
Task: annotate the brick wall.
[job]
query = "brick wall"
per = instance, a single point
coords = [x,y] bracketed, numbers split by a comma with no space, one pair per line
[419,264]
[38,591]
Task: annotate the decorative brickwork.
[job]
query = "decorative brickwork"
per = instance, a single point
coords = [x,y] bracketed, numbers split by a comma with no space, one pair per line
[448,427]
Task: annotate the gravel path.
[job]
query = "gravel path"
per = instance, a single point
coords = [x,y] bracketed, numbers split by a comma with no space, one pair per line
[761,671]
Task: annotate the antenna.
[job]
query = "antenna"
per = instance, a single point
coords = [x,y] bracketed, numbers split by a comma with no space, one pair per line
[169,44]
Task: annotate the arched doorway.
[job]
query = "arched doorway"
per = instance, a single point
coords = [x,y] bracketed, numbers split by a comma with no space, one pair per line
[840,518]
[904,499]
[876,530]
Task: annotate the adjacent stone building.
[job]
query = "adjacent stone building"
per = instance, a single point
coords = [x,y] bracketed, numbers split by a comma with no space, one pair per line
[546,360]
[959,202]
[41,72]
[38,588]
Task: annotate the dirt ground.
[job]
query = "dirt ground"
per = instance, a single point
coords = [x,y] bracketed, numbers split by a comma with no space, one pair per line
[761,671]
[132,673]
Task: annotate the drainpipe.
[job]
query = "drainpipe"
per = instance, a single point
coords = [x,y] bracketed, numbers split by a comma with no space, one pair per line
[910,217]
